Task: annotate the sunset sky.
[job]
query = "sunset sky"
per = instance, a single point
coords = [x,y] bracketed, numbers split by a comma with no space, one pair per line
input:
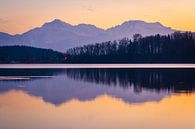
[18,16]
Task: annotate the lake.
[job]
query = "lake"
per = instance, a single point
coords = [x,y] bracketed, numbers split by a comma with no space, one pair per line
[85,97]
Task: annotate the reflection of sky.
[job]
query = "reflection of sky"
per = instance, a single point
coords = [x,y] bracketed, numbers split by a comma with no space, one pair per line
[175,112]
[17,16]
[60,89]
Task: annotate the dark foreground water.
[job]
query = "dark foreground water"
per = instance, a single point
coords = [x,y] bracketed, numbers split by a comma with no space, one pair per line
[97,98]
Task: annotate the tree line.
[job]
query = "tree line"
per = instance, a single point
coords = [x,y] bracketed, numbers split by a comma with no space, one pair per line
[24,54]
[178,47]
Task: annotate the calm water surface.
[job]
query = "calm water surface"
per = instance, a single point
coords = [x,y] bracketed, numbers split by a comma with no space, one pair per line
[97,98]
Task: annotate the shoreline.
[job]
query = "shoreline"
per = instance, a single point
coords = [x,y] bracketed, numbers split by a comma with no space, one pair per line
[56,66]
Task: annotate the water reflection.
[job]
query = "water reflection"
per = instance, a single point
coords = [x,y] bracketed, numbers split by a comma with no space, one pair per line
[173,80]
[97,98]
[129,85]
[21,111]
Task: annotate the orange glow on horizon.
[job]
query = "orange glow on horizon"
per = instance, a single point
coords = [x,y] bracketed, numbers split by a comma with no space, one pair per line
[19,16]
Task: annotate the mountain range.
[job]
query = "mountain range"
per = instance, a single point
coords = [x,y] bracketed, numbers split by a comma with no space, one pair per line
[59,35]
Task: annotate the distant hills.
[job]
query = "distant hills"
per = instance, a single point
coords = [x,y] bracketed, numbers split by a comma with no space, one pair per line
[59,35]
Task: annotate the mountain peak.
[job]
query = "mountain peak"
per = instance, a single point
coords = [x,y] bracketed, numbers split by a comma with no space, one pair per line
[140,24]
[134,22]
[57,22]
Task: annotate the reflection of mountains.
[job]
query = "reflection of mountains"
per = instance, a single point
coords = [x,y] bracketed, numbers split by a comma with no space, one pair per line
[130,85]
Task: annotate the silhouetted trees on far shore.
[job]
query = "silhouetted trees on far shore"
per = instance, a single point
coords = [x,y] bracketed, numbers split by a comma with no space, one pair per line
[175,48]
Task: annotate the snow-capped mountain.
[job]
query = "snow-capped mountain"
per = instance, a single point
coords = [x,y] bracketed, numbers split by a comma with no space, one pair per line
[59,35]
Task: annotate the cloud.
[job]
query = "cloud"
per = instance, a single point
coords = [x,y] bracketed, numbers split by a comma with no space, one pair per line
[90,9]
[3,21]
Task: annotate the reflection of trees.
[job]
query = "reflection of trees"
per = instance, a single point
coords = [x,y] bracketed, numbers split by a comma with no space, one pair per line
[177,80]
[30,72]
